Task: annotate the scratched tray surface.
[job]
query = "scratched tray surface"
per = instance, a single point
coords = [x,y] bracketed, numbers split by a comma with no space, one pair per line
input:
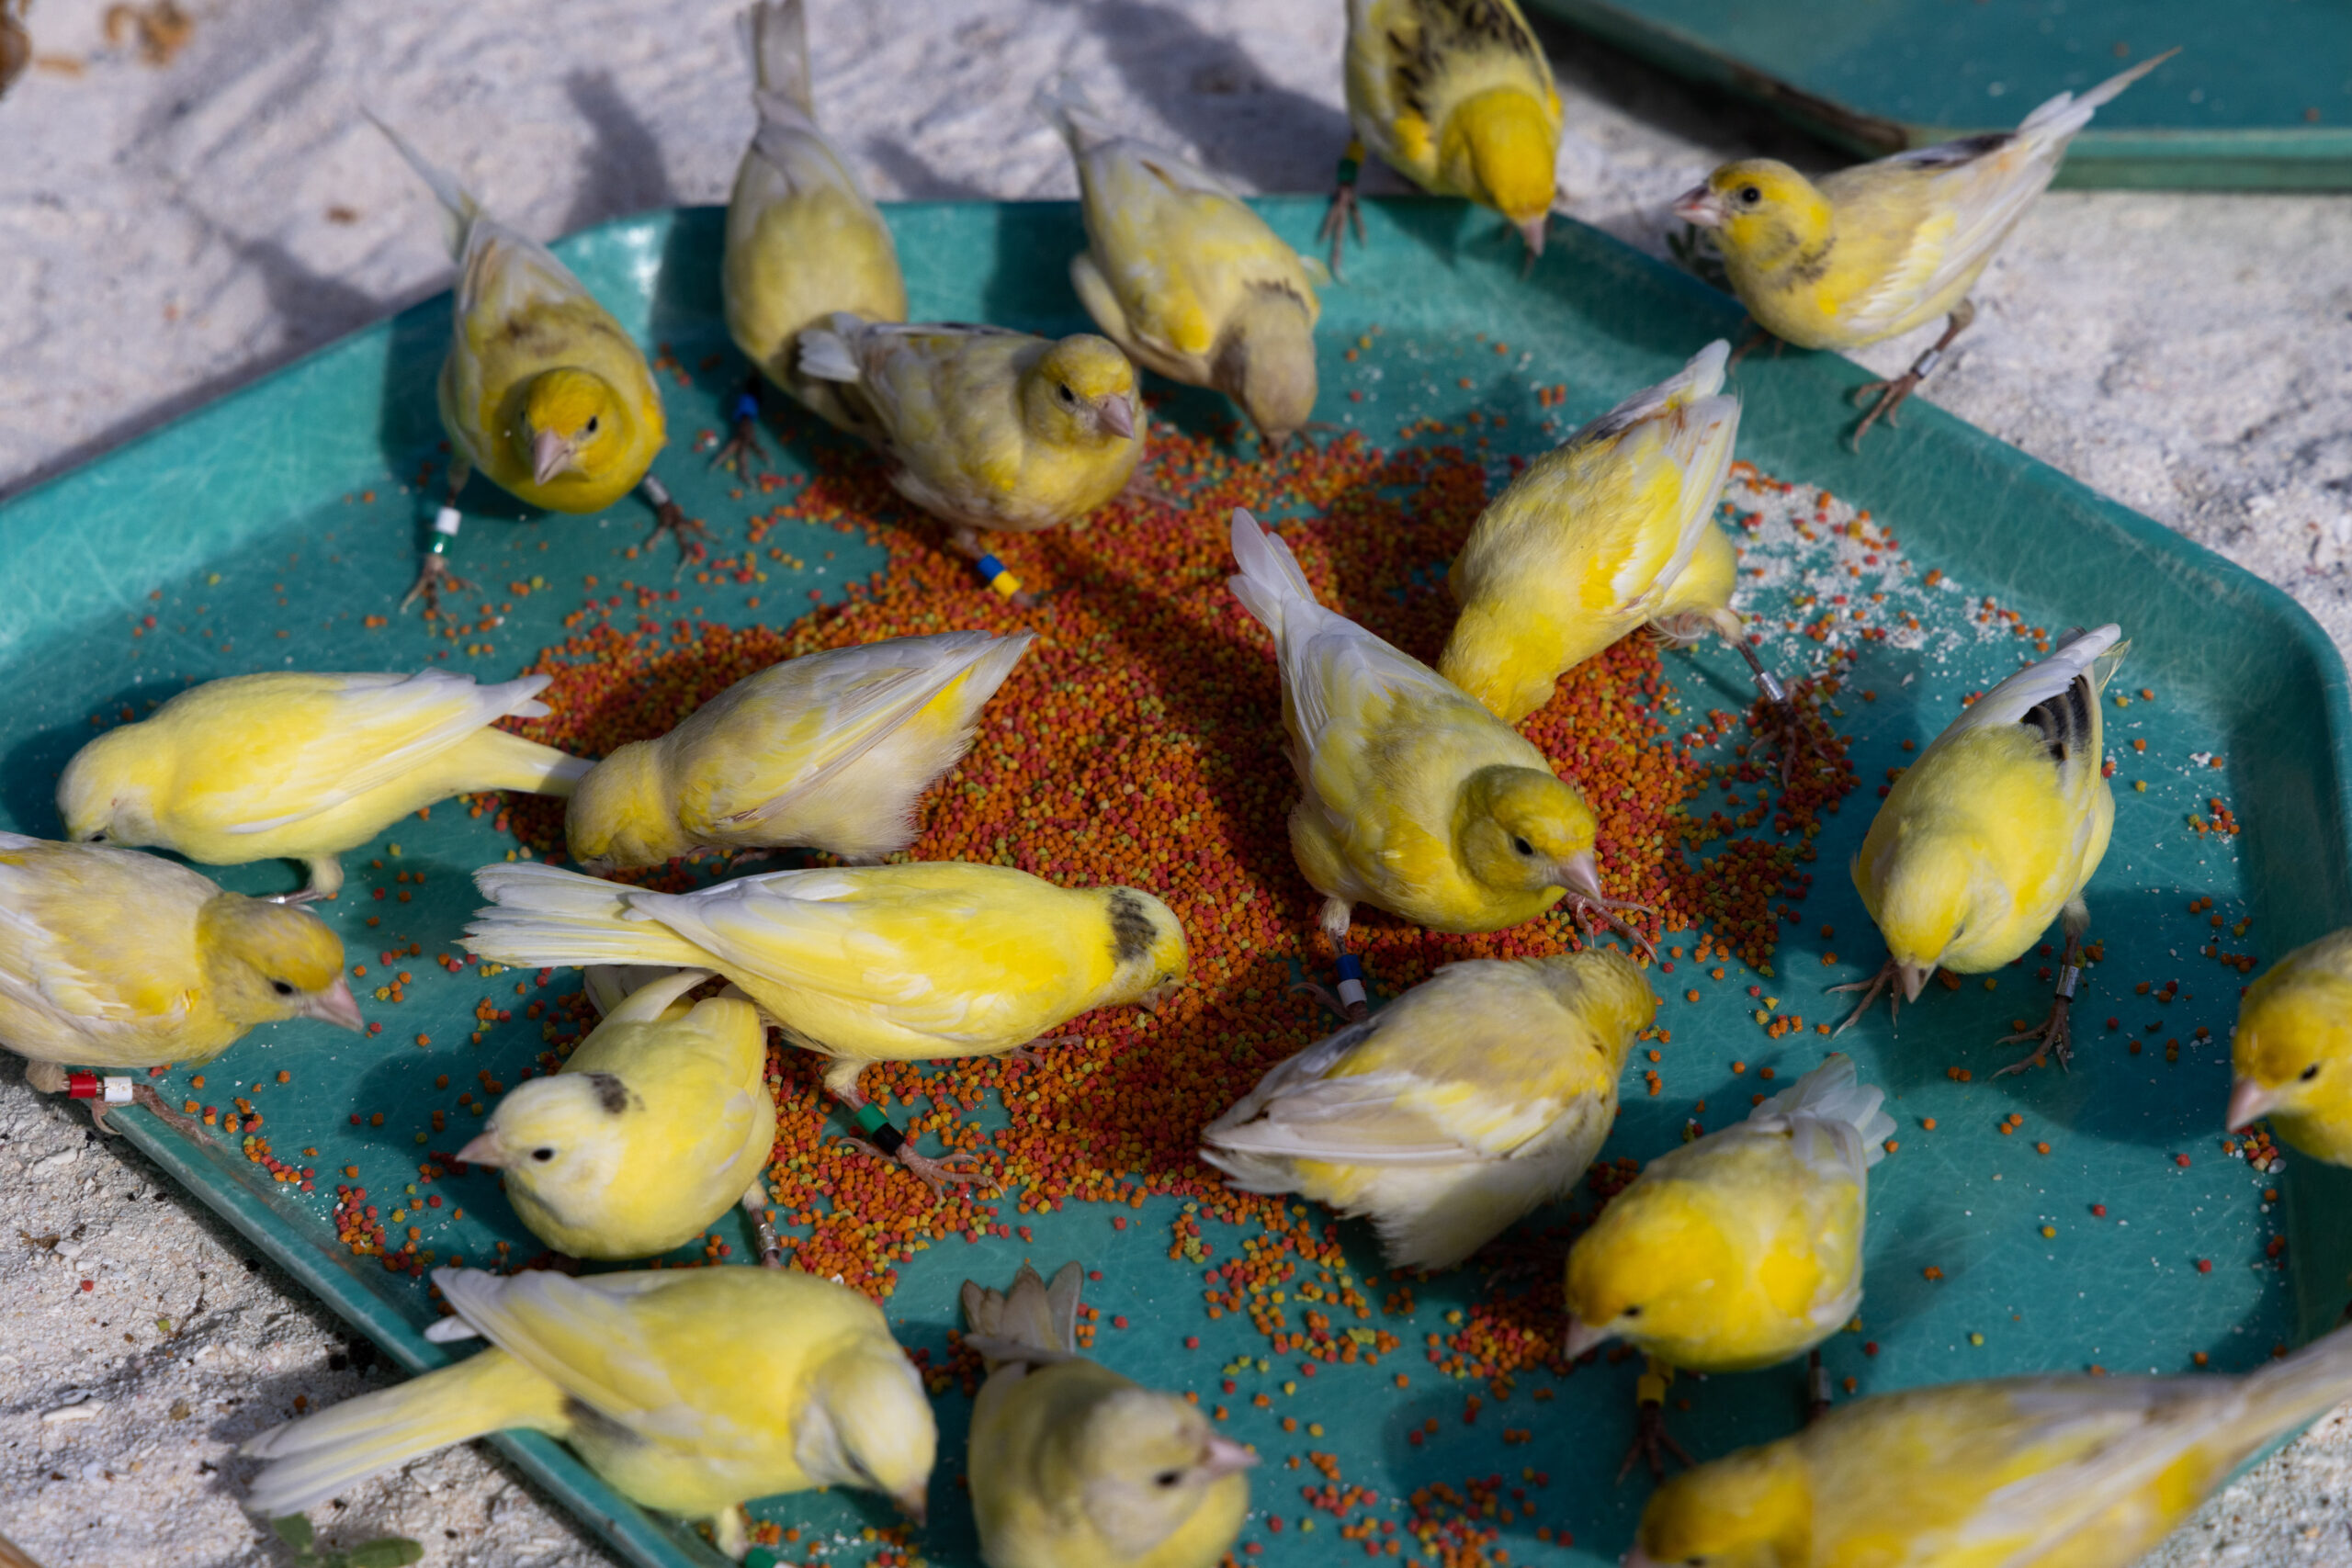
[2258,97]
[276,529]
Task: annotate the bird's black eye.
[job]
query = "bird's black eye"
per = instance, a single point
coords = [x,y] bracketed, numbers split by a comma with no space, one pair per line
[1632,1312]
[2311,1072]
[1749,196]
[543,1155]
[98,838]
[1167,1478]
[1523,846]
[1062,391]
[589,428]
[283,989]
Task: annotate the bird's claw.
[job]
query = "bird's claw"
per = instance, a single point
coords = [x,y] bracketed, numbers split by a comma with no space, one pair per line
[1650,1437]
[937,1174]
[1605,911]
[671,518]
[742,449]
[1356,1013]
[1888,980]
[434,579]
[2054,1038]
[1890,396]
[1344,213]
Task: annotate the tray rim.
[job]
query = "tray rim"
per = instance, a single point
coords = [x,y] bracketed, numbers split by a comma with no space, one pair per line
[49,507]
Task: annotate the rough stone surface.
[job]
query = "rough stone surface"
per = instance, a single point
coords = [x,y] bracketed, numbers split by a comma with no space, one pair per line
[168,231]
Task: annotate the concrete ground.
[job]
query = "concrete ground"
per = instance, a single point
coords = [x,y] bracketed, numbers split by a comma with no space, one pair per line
[188,205]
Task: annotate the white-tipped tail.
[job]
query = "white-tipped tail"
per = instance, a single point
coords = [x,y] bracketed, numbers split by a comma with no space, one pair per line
[1834,1092]
[1063,105]
[518,698]
[1034,1322]
[2289,1392]
[458,208]
[1269,578]
[826,352]
[776,34]
[1701,375]
[2059,118]
[540,917]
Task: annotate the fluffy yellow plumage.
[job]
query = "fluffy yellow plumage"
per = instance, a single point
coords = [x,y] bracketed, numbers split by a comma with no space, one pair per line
[803,238]
[657,1124]
[1612,530]
[1744,1248]
[306,767]
[984,428]
[2024,1472]
[1452,1113]
[1072,1465]
[689,1391]
[1181,273]
[1872,251]
[1994,831]
[1414,797]
[109,958]
[2292,1051]
[875,964]
[542,390]
[1456,96]
[830,749]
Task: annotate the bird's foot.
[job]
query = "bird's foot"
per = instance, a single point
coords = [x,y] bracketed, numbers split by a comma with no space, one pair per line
[1888,979]
[1604,910]
[1890,396]
[1353,1013]
[2054,1038]
[1033,1054]
[1756,339]
[743,446]
[434,579]
[671,518]
[937,1174]
[1345,212]
[1651,1440]
[755,1204]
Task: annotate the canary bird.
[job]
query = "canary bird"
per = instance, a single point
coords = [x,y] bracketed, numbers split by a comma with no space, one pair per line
[987,429]
[1593,540]
[113,959]
[1072,1465]
[803,238]
[656,1125]
[1452,1113]
[542,390]
[688,1390]
[2292,1051]
[2031,1473]
[1181,274]
[830,749]
[1993,833]
[1741,1249]
[1413,797]
[1872,251]
[304,767]
[874,964]
[1455,96]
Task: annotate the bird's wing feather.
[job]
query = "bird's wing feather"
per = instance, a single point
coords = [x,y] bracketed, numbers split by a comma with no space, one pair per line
[2054,697]
[1970,194]
[505,272]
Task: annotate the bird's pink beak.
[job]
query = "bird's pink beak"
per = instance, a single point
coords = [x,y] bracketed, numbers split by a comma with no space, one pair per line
[1702,206]
[915,1501]
[1533,232]
[1914,978]
[1583,1337]
[551,455]
[483,1151]
[335,1005]
[1580,872]
[1117,417]
[1225,1457]
[2248,1100]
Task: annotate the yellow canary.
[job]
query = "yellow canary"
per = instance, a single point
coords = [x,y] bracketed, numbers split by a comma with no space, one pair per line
[1744,1248]
[1181,273]
[2292,1051]
[1872,251]
[830,749]
[542,390]
[1994,831]
[860,964]
[803,238]
[1455,96]
[688,1390]
[1452,1113]
[304,767]
[1597,537]
[2022,1472]
[1072,1465]
[984,428]
[1413,797]
[656,1125]
[109,958]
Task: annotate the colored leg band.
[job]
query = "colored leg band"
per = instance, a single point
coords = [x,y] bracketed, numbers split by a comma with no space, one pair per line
[448,519]
[877,1129]
[1351,992]
[993,573]
[2066,979]
[114,1091]
[1348,169]
[1926,361]
[746,406]
[1769,684]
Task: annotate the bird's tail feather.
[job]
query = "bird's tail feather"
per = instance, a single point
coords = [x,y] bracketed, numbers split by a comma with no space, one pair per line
[2289,1392]
[1063,105]
[458,208]
[777,35]
[320,1456]
[1270,576]
[1033,1321]
[1834,1092]
[2059,118]
[498,758]
[539,917]
[1458,1211]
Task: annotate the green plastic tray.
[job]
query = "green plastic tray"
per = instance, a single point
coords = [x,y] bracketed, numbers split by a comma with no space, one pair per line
[2258,99]
[277,520]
